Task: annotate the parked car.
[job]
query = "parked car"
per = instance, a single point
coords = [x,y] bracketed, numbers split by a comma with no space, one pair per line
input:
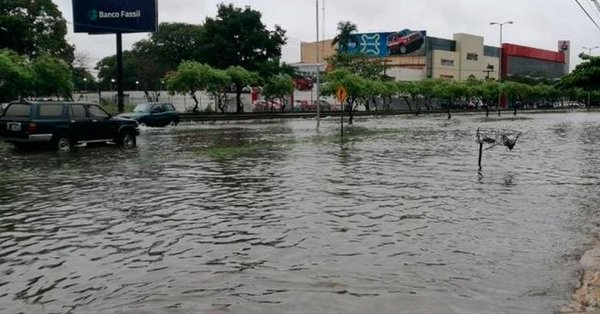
[405,42]
[303,83]
[267,106]
[307,105]
[63,124]
[153,114]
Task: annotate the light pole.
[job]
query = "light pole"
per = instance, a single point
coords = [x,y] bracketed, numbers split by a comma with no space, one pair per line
[137,83]
[589,49]
[500,61]
[317,62]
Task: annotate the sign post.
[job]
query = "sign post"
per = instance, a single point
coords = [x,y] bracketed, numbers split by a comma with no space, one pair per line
[341,96]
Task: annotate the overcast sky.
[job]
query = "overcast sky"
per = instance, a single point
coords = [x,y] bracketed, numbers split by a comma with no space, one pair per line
[537,23]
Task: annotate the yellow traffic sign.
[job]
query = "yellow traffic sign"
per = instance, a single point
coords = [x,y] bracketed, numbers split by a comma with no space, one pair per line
[341,94]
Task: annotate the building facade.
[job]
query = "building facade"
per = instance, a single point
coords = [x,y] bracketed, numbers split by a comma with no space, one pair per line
[412,55]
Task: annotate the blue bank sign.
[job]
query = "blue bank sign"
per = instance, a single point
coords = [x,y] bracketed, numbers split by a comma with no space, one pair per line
[115,16]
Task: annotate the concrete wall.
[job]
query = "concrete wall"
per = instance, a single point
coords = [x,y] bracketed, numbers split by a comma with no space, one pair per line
[445,64]
[471,59]
[308,51]
[182,103]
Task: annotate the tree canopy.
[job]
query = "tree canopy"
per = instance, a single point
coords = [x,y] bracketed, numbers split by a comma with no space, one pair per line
[15,76]
[42,77]
[52,77]
[586,75]
[344,36]
[279,86]
[237,37]
[34,28]
[189,78]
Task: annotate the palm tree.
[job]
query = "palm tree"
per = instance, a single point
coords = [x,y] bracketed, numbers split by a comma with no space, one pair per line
[344,36]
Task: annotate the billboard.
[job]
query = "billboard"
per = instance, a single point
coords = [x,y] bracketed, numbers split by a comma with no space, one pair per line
[564,46]
[113,16]
[405,42]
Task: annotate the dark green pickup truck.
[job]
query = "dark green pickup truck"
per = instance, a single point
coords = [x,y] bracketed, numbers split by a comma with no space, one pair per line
[63,124]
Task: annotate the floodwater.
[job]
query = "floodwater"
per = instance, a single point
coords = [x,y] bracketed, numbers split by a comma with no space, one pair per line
[248,217]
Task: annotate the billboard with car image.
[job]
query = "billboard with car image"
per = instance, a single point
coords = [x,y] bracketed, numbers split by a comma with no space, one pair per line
[402,43]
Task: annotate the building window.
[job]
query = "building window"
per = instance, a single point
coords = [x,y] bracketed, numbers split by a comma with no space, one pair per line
[447,63]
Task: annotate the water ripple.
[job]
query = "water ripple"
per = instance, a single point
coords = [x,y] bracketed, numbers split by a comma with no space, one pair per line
[396,217]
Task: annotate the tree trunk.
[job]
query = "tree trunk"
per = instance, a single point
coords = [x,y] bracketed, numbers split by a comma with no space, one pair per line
[222,98]
[238,99]
[407,99]
[350,112]
[195,110]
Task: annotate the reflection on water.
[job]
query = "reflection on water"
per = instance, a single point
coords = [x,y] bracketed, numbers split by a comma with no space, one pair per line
[275,218]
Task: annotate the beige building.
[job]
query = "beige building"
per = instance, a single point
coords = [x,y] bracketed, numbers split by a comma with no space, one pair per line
[463,57]
[468,60]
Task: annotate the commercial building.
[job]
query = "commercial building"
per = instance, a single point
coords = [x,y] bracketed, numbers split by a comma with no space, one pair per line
[412,55]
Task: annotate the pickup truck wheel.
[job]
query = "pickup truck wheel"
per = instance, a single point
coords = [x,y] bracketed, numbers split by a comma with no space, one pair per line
[173,123]
[403,49]
[62,143]
[127,139]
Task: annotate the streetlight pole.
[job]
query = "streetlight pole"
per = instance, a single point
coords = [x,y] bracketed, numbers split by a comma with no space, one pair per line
[85,87]
[317,67]
[112,81]
[589,49]
[500,62]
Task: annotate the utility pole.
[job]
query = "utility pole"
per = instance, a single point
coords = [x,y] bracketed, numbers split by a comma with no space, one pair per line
[317,69]
[500,62]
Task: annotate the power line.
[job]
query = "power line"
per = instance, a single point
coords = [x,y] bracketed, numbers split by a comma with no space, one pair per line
[586,13]
[596,5]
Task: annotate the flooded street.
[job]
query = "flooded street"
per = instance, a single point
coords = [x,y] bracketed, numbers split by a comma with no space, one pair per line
[247,217]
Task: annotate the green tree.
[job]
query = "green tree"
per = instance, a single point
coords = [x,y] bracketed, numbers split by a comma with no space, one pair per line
[389,89]
[361,64]
[449,91]
[355,86]
[344,36]
[279,86]
[172,44]
[150,59]
[107,71]
[189,78]
[52,77]
[237,37]
[410,92]
[240,78]
[218,84]
[15,76]
[585,76]
[34,28]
